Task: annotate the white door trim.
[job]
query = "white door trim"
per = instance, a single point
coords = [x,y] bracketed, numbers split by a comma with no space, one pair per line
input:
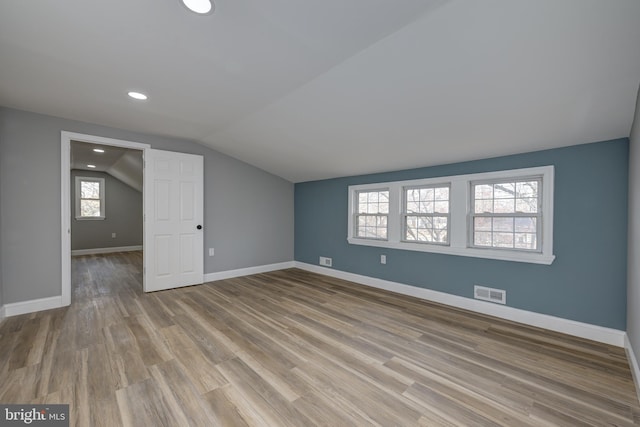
[65,187]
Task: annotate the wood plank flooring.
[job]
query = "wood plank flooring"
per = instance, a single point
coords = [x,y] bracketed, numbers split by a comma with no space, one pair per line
[292,348]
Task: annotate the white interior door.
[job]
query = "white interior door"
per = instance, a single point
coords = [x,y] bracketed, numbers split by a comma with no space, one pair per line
[173,241]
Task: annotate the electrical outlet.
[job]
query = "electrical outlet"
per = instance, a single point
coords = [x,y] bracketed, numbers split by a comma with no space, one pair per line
[211,251]
[325,261]
[113,235]
[383,259]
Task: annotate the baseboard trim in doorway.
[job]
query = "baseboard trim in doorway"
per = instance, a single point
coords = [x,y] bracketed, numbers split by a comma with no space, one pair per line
[97,251]
[229,274]
[31,306]
[566,326]
[633,364]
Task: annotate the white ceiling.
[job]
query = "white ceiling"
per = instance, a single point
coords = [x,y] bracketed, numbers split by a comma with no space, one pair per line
[82,154]
[310,90]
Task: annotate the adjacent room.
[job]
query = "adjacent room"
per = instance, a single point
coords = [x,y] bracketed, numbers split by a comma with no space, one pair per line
[295,213]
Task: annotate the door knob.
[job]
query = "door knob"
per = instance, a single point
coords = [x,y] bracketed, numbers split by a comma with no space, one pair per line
[199,227]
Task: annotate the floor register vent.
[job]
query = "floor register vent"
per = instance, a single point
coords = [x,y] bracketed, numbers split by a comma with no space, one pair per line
[490,294]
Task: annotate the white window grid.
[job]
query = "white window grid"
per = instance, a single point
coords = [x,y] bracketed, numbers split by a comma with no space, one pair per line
[371,214]
[100,199]
[502,236]
[430,214]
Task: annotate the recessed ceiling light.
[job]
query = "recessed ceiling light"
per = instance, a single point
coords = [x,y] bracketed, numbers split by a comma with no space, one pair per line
[201,7]
[91,166]
[138,95]
[98,150]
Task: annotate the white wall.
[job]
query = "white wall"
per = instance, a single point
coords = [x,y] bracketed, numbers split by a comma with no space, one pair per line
[633,255]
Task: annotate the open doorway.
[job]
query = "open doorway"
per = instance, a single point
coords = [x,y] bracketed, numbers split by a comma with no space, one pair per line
[107,201]
[173,205]
[102,199]
[106,217]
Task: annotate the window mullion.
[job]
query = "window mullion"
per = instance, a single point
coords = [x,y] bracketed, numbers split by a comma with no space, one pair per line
[458,208]
[394,225]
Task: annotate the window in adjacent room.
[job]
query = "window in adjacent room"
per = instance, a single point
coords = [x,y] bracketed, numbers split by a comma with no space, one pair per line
[89,198]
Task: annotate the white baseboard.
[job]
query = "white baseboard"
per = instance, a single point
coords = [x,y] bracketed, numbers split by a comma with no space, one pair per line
[557,324]
[106,250]
[545,321]
[3,314]
[31,306]
[229,274]
[633,364]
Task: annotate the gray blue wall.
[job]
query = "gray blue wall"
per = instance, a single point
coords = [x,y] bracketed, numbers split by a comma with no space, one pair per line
[248,212]
[633,291]
[123,216]
[586,282]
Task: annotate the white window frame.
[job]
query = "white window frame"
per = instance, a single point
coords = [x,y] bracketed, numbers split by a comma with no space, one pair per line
[538,215]
[405,214]
[459,214]
[78,182]
[356,214]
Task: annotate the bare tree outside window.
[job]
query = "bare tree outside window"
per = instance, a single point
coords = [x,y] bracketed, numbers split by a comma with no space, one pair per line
[89,199]
[504,214]
[426,214]
[372,213]
[507,214]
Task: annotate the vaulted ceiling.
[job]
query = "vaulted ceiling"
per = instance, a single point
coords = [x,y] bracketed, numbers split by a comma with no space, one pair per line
[121,163]
[309,90]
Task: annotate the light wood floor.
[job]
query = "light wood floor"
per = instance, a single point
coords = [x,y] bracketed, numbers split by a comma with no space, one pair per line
[291,348]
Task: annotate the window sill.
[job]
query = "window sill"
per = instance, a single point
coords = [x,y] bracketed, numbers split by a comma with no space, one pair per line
[90,218]
[516,256]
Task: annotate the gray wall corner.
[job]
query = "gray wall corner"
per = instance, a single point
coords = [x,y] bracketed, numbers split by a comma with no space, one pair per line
[123,216]
[633,253]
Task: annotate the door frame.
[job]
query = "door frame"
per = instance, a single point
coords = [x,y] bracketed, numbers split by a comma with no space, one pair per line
[65,208]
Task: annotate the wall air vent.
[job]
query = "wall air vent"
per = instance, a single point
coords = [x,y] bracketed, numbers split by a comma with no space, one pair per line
[325,261]
[490,294]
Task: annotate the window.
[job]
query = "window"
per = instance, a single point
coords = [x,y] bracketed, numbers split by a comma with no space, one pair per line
[505,215]
[89,198]
[426,214]
[371,214]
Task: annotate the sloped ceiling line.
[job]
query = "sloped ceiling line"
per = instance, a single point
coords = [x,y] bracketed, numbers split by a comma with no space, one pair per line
[314,90]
